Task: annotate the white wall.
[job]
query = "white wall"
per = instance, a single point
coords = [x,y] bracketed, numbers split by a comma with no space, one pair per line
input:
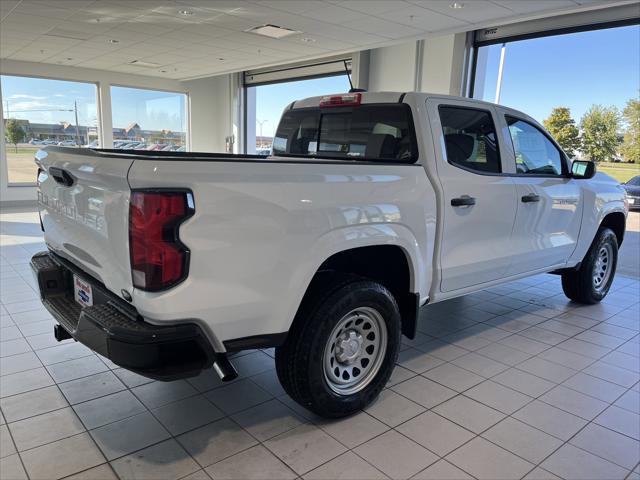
[392,68]
[211,113]
[443,64]
[435,65]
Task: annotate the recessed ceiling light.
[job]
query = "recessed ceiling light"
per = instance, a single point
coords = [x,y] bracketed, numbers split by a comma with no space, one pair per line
[114,41]
[308,40]
[185,12]
[73,35]
[140,63]
[272,31]
[456,5]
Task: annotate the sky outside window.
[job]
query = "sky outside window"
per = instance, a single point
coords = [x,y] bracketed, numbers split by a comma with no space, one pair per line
[42,100]
[151,109]
[271,99]
[574,70]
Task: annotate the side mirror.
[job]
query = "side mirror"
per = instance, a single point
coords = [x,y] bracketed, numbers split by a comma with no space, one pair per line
[583,170]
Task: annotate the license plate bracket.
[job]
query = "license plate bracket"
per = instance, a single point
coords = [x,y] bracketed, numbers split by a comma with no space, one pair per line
[82,292]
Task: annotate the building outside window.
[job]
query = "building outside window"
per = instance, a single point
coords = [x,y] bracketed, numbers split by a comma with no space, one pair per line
[149,119]
[39,112]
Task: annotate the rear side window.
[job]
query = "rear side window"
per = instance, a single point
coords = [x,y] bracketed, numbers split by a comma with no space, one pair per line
[535,153]
[366,132]
[470,139]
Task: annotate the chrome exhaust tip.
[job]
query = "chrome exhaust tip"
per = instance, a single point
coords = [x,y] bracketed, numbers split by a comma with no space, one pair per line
[224,368]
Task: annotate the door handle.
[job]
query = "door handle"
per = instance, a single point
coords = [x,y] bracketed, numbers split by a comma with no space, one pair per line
[61,176]
[463,201]
[530,198]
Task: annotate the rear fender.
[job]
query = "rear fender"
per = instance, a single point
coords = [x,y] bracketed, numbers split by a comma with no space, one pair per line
[340,240]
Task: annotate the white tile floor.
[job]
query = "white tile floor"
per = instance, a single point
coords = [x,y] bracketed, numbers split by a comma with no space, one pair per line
[512,382]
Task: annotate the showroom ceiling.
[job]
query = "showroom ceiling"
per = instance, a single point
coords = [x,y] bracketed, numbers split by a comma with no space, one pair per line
[195,38]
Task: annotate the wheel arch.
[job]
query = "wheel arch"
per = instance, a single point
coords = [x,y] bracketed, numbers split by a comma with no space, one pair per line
[616,221]
[389,265]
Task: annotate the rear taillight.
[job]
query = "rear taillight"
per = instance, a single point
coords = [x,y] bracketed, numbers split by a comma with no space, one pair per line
[344,100]
[159,259]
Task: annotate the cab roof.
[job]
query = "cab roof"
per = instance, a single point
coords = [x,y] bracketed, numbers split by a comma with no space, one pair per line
[396,97]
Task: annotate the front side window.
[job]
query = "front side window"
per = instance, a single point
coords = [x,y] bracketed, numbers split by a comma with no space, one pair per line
[470,139]
[535,153]
[366,132]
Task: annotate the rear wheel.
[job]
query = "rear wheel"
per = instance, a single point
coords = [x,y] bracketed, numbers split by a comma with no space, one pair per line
[342,347]
[591,282]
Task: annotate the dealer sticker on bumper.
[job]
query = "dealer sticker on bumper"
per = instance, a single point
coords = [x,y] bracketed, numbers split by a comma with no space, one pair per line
[82,292]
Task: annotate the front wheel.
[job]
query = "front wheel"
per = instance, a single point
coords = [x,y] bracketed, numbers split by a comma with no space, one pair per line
[342,347]
[590,283]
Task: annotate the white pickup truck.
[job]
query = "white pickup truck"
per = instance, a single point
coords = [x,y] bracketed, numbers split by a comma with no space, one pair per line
[372,205]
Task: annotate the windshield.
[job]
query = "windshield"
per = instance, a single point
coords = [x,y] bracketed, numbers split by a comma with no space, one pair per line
[366,132]
[635,181]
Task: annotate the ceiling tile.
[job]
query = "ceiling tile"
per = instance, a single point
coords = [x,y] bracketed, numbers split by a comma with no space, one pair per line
[421,18]
[224,6]
[296,6]
[43,10]
[370,7]
[532,6]
[473,12]
[335,14]
[7,6]
[383,28]
[68,4]
[195,15]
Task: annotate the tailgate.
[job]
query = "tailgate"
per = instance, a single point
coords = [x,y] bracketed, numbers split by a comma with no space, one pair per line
[83,198]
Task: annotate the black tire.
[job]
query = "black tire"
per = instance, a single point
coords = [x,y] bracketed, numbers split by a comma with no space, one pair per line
[300,361]
[579,285]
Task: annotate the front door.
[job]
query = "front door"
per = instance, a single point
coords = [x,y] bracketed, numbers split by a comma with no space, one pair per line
[478,205]
[549,200]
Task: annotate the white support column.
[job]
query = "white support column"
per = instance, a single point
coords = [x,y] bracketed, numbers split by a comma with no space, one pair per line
[503,52]
[250,133]
[443,64]
[4,167]
[360,69]
[105,115]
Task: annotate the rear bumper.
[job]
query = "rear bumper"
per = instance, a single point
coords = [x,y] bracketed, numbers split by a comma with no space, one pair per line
[114,329]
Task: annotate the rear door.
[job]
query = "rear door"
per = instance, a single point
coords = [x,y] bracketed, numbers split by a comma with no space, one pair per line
[478,202]
[549,201]
[83,198]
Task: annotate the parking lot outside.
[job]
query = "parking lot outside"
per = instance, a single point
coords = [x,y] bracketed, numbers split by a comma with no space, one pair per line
[511,382]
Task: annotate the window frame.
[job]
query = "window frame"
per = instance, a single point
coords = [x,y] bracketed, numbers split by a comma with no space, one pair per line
[294,72]
[498,141]
[96,84]
[563,156]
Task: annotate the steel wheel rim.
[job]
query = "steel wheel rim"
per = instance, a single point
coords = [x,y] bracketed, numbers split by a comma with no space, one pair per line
[602,267]
[355,351]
